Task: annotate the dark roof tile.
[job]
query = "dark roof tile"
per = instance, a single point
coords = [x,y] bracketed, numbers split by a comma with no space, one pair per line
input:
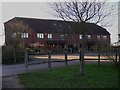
[54,26]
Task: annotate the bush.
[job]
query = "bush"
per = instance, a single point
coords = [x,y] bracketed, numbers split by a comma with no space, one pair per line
[8,55]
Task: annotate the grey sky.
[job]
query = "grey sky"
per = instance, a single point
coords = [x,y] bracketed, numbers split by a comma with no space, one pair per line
[42,10]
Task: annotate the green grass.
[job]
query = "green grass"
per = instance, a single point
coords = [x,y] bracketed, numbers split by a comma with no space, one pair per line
[103,76]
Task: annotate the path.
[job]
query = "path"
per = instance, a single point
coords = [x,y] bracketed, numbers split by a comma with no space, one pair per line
[8,70]
[11,82]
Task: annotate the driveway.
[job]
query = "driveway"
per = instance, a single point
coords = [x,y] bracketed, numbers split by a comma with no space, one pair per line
[8,70]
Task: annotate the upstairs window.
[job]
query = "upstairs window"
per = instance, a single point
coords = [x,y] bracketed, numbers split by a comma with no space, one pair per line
[89,36]
[60,25]
[104,37]
[49,35]
[40,35]
[14,35]
[98,36]
[80,36]
[62,36]
[54,24]
[24,35]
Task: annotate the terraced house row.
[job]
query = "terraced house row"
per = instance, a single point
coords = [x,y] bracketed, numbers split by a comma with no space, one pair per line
[57,34]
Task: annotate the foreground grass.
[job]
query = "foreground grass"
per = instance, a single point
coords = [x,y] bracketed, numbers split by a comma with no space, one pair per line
[103,76]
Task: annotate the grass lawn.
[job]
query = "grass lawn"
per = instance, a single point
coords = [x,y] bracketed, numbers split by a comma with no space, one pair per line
[103,76]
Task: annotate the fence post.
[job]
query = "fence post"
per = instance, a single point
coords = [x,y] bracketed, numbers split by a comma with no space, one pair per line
[26,60]
[98,56]
[66,58]
[119,56]
[49,59]
[79,54]
[116,56]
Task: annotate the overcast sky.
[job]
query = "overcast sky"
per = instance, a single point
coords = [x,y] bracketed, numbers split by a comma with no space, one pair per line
[42,10]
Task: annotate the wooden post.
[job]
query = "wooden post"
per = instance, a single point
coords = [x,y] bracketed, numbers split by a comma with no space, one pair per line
[119,56]
[80,55]
[49,59]
[66,58]
[26,60]
[98,56]
[116,56]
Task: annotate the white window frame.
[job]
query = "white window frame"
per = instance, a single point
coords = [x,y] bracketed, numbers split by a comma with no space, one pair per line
[40,35]
[98,37]
[50,36]
[89,36]
[80,36]
[24,35]
[62,36]
[104,37]
[14,34]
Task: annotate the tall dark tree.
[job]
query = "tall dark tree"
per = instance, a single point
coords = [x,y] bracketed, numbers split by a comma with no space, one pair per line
[82,12]
[14,30]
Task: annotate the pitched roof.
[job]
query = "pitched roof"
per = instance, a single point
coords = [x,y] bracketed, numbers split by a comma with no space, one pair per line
[58,26]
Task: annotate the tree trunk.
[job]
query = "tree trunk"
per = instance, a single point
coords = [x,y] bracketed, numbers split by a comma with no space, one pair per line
[66,58]
[98,56]
[82,50]
[82,61]
[26,60]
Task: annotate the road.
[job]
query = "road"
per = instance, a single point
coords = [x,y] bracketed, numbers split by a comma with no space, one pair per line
[8,70]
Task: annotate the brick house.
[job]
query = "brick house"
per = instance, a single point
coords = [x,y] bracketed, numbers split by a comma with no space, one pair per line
[58,34]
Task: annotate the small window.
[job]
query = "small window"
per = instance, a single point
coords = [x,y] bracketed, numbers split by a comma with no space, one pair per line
[49,35]
[40,35]
[54,24]
[62,36]
[60,25]
[104,37]
[14,35]
[69,27]
[89,36]
[80,36]
[24,35]
[98,36]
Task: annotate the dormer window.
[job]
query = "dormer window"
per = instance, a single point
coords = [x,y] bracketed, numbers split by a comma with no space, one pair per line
[40,35]
[98,36]
[104,37]
[24,35]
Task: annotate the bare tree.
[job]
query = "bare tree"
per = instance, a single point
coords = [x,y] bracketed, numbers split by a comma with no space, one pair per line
[13,31]
[81,12]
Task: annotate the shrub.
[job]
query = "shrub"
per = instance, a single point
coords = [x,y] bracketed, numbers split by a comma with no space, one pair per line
[8,55]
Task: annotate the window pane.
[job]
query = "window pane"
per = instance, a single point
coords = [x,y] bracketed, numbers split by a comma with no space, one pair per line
[14,35]
[89,36]
[49,35]
[37,35]
[62,36]
[98,36]
[40,35]
[80,36]
[24,35]
[104,37]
